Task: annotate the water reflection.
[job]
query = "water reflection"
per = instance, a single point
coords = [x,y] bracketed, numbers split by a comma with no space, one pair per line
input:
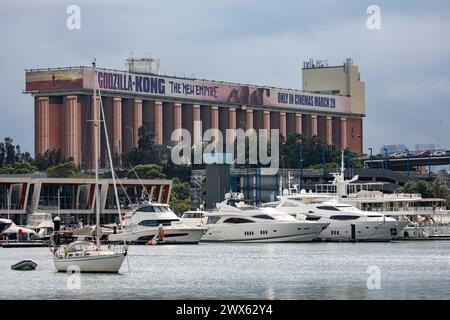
[408,270]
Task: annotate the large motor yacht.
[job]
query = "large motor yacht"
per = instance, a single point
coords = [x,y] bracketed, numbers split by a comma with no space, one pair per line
[235,221]
[346,223]
[142,224]
[424,217]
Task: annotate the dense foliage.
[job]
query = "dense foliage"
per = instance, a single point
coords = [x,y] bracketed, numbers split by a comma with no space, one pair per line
[150,161]
[435,189]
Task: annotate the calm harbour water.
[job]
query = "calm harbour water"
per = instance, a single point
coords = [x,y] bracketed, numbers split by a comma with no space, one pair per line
[408,270]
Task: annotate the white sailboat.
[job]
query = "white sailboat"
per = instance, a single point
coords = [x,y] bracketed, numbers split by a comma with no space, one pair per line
[85,256]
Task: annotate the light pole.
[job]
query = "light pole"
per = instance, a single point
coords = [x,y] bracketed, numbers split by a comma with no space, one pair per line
[59,201]
[8,200]
[301,166]
[349,162]
[407,161]
[371,159]
[324,160]
[429,165]
[386,158]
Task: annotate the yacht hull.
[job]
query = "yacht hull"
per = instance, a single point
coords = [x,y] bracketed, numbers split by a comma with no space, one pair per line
[424,232]
[107,263]
[363,231]
[262,232]
[190,235]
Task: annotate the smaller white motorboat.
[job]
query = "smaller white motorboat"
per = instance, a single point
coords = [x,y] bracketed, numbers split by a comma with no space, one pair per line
[4,224]
[142,226]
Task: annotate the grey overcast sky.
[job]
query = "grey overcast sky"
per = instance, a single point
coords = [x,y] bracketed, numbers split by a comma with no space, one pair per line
[406,64]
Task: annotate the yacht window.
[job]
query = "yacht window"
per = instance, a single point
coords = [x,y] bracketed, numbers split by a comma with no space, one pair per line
[289,205]
[270,205]
[158,209]
[212,220]
[187,215]
[375,216]
[264,216]
[312,218]
[147,209]
[237,220]
[155,223]
[328,208]
[344,217]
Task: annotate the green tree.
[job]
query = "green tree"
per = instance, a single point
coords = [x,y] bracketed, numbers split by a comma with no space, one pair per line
[180,197]
[436,189]
[26,156]
[439,188]
[7,169]
[424,188]
[24,168]
[312,151]
[181,189]
[409,187]
[421,187]
[11,154]
[146,171]
[10,151]
[64,170]
[18,154]
[2,154]
[145,153]
[49,159]
[179,206]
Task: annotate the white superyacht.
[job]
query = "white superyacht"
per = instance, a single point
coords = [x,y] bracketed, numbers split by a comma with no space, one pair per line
[234,221]
[426,218]
[346,222]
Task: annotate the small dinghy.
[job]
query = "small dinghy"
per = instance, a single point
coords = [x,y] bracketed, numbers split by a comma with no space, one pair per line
[24,265]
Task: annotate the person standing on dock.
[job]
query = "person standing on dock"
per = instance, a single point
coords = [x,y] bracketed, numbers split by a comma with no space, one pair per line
[161,233]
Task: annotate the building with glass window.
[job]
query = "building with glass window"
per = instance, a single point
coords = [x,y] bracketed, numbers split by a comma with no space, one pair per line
[73,199]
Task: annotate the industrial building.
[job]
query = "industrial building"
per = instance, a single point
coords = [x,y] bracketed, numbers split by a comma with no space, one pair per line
[331,105]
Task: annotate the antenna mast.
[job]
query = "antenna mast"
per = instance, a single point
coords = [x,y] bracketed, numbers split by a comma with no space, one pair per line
[96,148]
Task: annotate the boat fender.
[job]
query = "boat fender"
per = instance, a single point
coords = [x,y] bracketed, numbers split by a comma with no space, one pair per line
[152,242]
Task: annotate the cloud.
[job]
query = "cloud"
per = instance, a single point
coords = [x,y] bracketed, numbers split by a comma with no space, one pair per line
[404,65]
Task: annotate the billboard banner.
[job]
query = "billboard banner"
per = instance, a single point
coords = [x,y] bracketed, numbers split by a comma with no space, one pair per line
[192,89]
[47,80]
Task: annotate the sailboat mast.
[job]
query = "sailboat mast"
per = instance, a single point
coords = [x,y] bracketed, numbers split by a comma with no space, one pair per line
[113,174]
[96,148]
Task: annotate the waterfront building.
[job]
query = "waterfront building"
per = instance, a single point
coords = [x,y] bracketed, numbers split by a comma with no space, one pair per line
[331,105]
[73,199]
